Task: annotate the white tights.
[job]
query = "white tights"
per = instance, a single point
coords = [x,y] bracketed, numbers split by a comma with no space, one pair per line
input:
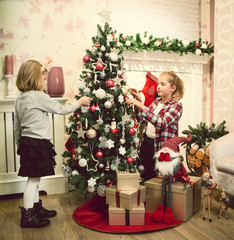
[31,192]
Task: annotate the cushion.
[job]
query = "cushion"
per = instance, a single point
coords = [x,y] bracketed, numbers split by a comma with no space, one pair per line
[225,164]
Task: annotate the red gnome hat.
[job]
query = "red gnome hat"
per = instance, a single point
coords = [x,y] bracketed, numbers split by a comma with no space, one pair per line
[174,142]
[150,88]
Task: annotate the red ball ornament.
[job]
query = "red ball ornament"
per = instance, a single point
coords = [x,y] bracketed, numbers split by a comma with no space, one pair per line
[197,44]
[99,66]
[126,98]
[131,131]
[110,83]
[92,108]
[86,59]
[130,160]
[99,154]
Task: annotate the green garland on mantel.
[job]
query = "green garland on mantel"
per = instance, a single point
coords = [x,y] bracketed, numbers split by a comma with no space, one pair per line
[150,44]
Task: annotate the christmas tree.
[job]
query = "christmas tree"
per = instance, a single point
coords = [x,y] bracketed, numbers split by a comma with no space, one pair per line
[103,136]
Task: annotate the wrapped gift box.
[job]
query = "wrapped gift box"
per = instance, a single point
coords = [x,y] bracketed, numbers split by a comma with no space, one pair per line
[116,216]
[185,201]
[125,199]
[128,181]
[121,216]
[137,215]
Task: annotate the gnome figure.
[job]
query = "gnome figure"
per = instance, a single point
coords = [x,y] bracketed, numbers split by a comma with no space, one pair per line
[167,163]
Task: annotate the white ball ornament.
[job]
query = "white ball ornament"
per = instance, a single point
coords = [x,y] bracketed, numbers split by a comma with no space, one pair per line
[113,167]
[101,165]
[114,56]
[107,104]
[75,173]
[122,141]
[100,93]
[120,73]
[136,140]
[101,190]
[103,48]
[91,189]
[141,167]
[86,90]
[102,75]
[82,162]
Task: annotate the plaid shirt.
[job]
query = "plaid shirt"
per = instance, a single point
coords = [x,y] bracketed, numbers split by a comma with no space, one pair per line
[166,122]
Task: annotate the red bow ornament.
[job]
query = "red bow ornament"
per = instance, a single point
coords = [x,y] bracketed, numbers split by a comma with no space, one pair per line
[164,157]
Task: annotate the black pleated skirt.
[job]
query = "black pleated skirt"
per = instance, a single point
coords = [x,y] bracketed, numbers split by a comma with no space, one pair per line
[36,157]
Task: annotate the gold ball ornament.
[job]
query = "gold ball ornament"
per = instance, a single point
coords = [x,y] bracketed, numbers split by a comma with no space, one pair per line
[91,133]
[125,91]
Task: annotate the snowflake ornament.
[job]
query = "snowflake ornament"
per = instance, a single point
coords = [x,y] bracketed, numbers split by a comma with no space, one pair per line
[92,182]
[121,98]
[122,150]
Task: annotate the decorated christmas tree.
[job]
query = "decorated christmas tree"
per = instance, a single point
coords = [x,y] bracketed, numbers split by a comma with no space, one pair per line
[103,136]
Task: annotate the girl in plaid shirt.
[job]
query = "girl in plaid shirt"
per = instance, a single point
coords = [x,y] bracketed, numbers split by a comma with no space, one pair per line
[161,117]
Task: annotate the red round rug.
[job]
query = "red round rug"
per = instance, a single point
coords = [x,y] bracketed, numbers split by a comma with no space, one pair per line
[94,215]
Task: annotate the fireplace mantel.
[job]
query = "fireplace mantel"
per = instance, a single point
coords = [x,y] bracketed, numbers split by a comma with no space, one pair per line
[160,61]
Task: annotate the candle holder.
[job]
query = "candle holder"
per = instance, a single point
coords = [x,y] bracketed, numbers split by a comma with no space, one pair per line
[9,79]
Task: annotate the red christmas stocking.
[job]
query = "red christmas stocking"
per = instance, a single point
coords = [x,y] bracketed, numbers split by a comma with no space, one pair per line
[150,88]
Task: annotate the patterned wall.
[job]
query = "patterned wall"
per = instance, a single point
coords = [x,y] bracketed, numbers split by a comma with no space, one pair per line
[224,63]
[61,30]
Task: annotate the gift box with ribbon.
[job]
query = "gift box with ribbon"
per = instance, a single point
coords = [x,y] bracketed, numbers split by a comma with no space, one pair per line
[127,181]
[186,197]
[121,216]
[126,199]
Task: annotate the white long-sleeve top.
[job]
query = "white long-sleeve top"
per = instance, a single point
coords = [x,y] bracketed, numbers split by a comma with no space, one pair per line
[31,114]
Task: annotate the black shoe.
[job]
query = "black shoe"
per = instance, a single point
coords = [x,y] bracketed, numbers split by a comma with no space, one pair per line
[29,219]
[42,212]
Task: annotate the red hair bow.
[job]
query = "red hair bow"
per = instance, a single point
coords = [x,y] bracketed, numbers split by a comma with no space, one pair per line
[164,157]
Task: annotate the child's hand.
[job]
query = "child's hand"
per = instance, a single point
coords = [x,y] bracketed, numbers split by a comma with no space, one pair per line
[135,93]
[136,103]
[84,101]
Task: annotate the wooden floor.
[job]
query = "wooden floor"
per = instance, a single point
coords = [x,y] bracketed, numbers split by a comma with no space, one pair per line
[64,227]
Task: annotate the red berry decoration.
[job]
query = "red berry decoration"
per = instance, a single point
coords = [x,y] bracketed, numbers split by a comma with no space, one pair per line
[130,160]
[197,45]
[110,83]
[126,98]
[131,131]
[92,108]
[86,59]
[99,154]
[99,66]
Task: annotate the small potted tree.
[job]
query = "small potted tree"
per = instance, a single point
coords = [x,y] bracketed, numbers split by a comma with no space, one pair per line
[197,150]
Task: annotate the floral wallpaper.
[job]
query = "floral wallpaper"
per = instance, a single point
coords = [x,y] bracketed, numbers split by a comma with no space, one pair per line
[61,30]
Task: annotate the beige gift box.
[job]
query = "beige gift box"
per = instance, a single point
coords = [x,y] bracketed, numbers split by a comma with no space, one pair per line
[120,216]
[125,199]
[185,201]
[116,216]
[137,215]
[127,181]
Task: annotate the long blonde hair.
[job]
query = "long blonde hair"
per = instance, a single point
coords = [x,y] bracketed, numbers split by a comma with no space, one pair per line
[29,76]
[174,80]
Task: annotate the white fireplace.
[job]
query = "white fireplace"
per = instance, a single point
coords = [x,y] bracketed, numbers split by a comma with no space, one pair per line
[188,67]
